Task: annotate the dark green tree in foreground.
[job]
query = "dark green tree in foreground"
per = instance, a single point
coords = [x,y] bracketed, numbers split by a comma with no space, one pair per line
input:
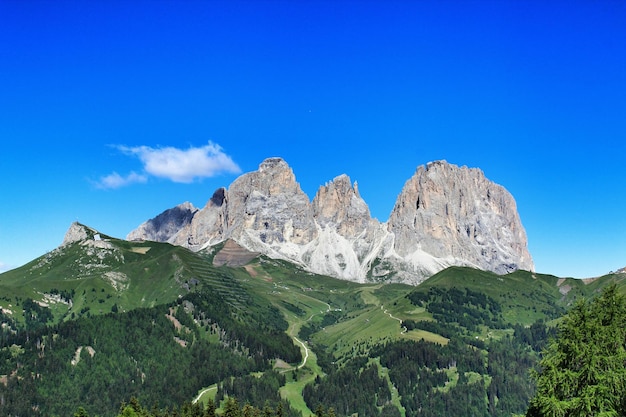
[583,370]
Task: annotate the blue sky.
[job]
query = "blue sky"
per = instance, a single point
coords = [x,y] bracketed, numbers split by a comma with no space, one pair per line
[111,112]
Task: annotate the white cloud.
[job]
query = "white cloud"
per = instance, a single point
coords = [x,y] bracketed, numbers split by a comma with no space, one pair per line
[183,165]
[115,180]
[178,165]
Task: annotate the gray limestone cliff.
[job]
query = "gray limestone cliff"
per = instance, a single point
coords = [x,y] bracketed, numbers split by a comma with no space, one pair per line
[349,239]
[445,215]
[165,225]
[454,215]
[76,233]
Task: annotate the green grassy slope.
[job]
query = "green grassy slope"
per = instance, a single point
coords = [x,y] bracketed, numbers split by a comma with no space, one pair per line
[333,322]
[525,296]
[118,275]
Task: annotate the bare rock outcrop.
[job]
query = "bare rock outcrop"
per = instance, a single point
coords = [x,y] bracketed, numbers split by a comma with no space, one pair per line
[459,217]
[267,208]
[445,215]
[207,226]
[339,205]
[165,225]
[349,239]
[76,233]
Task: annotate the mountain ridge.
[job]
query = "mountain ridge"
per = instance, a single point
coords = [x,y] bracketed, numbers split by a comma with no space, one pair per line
[138,304]
[445,215]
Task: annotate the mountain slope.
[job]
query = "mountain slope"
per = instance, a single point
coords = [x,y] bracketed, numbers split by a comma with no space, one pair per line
[463,333]
[444,216]
[92,273]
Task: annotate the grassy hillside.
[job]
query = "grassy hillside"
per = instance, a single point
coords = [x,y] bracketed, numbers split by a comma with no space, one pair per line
[97,277]
[525,296]
[461,343]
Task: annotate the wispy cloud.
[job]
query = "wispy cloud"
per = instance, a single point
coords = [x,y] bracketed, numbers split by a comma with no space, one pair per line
[115,180]
[174,164]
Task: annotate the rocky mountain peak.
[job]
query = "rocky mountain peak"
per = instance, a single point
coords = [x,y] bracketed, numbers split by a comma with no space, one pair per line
[218,197]
[338,204]
[455,212]
[165,225]
[273,164]
[445,215]
[268,207]
[76,233]
[273,177]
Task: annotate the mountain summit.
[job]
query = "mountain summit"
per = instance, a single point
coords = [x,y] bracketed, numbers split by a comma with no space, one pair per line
[445,215]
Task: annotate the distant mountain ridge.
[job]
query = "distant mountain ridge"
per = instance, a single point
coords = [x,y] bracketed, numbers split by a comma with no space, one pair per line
[444,216]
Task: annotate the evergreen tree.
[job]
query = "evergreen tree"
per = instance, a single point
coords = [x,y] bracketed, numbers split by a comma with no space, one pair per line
[231,408]
[209,410]
[583,371]
[248,411]
[81,412]
[267,410]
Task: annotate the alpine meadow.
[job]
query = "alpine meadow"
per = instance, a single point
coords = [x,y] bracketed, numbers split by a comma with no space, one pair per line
[273,208]
[235,322]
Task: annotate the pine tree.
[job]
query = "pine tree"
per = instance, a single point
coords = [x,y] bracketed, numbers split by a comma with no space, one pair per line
[280,412]
[231,408]
[81,412]
[267,410]
[247,411]
[209,410]
[583,370]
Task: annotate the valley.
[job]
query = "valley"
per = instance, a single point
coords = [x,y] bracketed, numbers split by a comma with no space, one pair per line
[147,316]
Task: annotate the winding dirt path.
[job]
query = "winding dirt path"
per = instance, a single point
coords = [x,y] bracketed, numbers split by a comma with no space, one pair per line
[195,400]
[306,352]
[404,329]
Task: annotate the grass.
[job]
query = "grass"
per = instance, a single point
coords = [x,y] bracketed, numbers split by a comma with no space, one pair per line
[427,336]
[205,393]
[395,396]
[369,314]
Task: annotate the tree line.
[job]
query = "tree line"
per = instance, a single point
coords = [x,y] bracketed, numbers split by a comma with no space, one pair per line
[230,408]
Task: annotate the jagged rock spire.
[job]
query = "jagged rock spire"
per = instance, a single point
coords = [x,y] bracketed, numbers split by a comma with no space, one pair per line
[445,215]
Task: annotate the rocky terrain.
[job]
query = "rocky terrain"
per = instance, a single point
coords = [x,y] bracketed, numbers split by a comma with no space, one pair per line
[445,215]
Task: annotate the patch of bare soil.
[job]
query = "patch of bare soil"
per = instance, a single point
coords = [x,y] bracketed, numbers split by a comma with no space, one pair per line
[233,255]
[180,341]
[281,364]
[250,270]
[76,358]
[174,320]
[140,249]
[565,289]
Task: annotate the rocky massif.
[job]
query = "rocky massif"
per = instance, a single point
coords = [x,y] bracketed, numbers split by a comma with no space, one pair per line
[445,215]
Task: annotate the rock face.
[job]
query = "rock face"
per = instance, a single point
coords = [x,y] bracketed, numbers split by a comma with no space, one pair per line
[451,215]
[76,233]
[444,216]
[165,225]
[349,239]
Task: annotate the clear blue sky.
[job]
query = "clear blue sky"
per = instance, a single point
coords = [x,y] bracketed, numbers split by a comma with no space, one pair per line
[111,112]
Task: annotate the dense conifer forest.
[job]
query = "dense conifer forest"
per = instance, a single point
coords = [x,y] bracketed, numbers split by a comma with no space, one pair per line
[270,340]
[157,355]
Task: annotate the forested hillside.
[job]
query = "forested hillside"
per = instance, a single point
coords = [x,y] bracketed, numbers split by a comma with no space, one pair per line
[160,355]
[279,340]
